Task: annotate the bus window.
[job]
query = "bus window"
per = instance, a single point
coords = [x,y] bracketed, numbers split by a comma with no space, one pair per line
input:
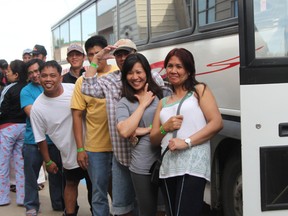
[170,16]
[64,41]
[104,6]
[88,22]
[56,44]
[105,19]
[212,11]
[271,26]
[75,29]
[133,20]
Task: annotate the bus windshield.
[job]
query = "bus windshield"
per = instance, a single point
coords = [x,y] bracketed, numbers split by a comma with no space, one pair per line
[271,25]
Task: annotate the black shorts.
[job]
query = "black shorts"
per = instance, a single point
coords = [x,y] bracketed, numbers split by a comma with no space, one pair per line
[75,175]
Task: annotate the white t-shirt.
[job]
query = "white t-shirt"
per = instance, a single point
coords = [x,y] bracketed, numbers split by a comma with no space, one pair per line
[53,116]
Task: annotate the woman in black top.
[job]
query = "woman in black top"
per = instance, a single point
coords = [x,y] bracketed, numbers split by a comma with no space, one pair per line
[12,128]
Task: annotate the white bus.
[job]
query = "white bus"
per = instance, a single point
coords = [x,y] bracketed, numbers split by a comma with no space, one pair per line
[210,30]
[264,106]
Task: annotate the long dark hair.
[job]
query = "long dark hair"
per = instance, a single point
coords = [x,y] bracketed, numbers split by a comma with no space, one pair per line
[187,60]
[127,90]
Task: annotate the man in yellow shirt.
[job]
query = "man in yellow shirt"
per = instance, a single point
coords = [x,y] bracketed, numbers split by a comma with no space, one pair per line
[95,152]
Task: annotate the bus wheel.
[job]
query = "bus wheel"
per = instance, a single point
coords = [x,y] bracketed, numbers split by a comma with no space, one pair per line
[232,188]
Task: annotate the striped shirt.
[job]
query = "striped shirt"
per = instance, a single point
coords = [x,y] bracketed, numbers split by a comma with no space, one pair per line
[110,87]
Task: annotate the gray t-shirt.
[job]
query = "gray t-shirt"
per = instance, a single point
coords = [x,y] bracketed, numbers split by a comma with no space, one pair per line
[143,154]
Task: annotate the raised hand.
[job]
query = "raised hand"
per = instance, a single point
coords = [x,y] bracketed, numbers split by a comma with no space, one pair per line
[145,98]
[104,54]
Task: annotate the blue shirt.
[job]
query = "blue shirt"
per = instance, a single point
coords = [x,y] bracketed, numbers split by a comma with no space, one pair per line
[27,97]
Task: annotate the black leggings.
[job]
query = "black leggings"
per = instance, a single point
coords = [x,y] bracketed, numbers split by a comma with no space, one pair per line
[146,194]
[183,195]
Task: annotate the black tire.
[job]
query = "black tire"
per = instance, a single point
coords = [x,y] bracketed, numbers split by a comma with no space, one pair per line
[232,198]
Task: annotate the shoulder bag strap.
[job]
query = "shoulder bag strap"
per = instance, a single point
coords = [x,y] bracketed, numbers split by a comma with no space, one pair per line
[175,131]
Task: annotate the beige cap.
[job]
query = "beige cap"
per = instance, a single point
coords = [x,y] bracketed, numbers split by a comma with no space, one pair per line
[125,44]
[75,47]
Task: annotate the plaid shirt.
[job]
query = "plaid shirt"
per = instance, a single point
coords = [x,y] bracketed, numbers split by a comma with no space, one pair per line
[110,87]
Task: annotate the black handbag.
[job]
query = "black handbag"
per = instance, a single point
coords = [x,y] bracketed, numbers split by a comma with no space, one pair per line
[155,168]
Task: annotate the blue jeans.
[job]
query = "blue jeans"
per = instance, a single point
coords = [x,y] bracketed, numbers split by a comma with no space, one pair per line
[32,163]
[99,170]
[124,198]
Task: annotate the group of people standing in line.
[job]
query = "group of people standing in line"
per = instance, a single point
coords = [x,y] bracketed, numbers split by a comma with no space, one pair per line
[108,124]
[16,135]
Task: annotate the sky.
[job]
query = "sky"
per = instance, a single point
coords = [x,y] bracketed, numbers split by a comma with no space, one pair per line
[24,23]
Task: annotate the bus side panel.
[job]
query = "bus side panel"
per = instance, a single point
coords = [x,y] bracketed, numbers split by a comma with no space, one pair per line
[217,64]
[261,114]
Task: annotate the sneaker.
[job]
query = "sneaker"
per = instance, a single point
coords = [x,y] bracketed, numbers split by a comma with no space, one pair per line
[5,204]
[13,188]
[31,212]
[40,187]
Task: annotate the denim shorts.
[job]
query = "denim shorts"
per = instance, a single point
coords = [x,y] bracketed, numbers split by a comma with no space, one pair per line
[122,189]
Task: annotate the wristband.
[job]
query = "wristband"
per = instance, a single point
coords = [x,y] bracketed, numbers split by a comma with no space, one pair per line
[80,149]
[49,163]
[162,131]
[150,126]
[93,65]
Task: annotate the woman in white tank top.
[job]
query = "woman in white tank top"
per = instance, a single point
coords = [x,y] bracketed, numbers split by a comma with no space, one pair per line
[186,166]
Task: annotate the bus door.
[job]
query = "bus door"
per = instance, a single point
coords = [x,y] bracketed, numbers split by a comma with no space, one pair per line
[263,29]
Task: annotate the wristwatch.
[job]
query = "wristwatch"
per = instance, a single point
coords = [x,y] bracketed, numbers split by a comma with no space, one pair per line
[188,142]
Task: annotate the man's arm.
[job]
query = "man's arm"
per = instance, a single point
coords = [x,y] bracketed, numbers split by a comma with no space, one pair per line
[27,110]
[93,86]
[39,134]
[82,157]
[78,105]
[50,165]
[102,87]
[26,100]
